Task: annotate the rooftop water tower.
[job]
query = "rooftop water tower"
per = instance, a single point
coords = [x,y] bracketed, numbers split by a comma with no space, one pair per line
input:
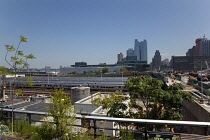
[78,93]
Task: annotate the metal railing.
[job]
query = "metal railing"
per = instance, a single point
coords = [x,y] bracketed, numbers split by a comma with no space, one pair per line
[145,123]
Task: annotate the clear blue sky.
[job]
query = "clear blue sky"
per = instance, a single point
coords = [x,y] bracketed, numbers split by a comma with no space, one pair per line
[61,32]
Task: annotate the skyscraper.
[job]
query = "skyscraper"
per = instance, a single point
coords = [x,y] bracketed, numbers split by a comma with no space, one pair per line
[156,61]
[130,52]
[120,57]
[191,52]
[197,46]
[140,50]
[204,47]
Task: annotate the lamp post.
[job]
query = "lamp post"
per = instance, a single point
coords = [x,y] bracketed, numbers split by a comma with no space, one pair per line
[202,100]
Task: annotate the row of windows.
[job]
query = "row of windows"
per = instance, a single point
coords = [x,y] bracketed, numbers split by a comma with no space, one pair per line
[108,87]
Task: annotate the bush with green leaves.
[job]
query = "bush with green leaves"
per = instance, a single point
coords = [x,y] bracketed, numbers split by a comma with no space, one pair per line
[147,100]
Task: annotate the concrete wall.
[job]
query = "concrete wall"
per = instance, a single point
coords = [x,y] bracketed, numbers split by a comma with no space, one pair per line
[199,112]
[85,106]
[104,124]
[194,111]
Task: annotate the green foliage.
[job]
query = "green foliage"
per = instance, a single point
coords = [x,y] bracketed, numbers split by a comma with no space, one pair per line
[22,129]
[146,89]
[45,132]
[105,70]
[10,48]
[62,112]
[123,69]
[146,100]
[20,53]
[18,59]
[23,39]
[114,102]
[14,58]
[30,81]
[73,72]
[126,135]
[5,71]
[18,91]
[30,56]
[98,72]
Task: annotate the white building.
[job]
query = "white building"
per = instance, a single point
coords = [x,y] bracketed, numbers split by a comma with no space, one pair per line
[140,50]
[204,47]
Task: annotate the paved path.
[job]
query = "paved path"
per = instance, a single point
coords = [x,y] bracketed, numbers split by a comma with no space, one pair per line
[171,81]
[194,137]
[183,81]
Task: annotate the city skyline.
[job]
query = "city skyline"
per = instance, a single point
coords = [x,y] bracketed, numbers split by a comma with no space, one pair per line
[65,32]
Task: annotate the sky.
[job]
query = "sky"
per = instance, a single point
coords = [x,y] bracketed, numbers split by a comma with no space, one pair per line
[62,32]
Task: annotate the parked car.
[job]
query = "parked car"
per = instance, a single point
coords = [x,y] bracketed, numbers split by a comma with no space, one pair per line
[204,78]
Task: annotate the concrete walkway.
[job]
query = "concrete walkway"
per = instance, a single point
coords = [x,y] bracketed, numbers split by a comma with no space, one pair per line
[171,81]
[194,137]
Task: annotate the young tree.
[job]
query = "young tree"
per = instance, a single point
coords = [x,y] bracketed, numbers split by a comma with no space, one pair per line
[114,102]
[84,72]
[146,89]
[98,72]
[17,61]
[172,101]
[73,72]
[105,70]
[62,112]
[147,100]
[159,104]
[123,69]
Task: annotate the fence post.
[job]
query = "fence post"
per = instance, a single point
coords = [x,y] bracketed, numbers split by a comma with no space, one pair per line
[145,131]
[207,130]
[94,127]
[29,118]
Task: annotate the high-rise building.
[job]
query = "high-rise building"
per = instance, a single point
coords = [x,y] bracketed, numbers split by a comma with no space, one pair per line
[205,47]
[197,46]
[140,50]
[202,48]
[165,62]
[191,52]
[130,52]
[120,57]
[156,61]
